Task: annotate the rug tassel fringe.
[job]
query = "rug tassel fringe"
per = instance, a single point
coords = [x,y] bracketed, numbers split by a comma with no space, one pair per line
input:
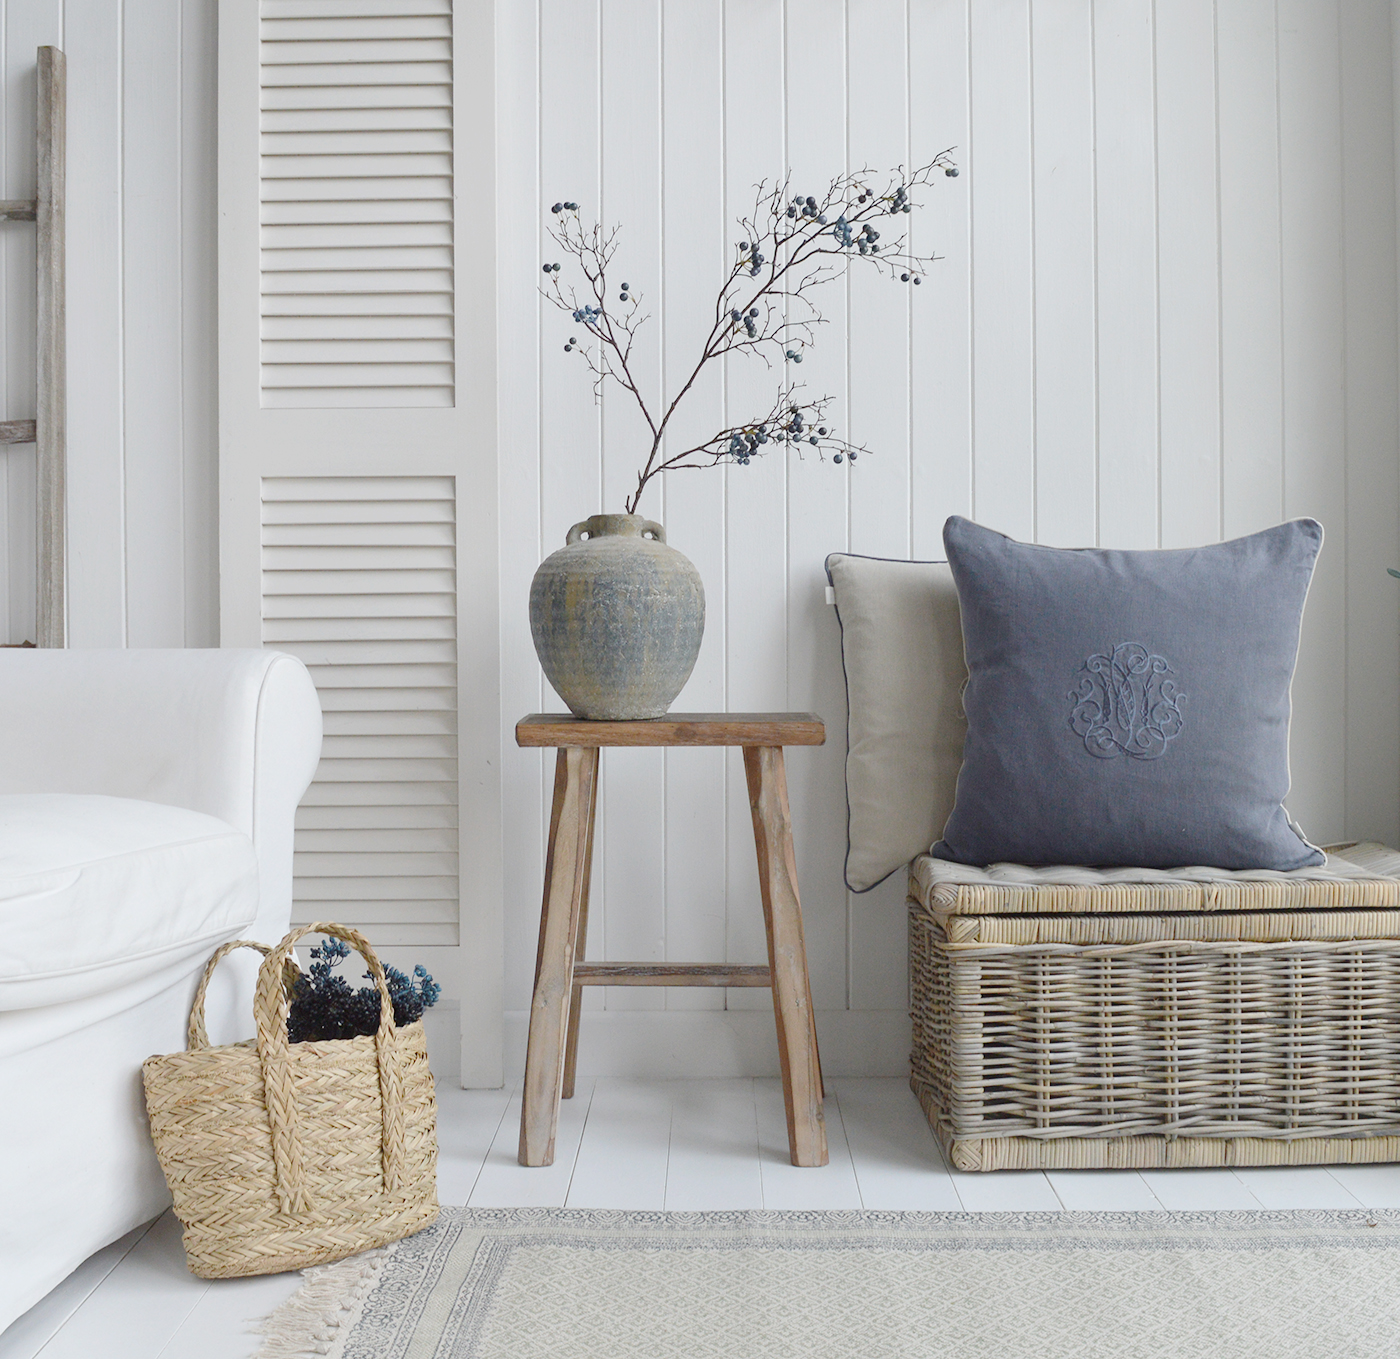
[319,1314]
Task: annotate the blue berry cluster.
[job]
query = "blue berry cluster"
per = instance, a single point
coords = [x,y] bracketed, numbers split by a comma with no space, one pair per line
[806,207]
[551,268]
[900,202]
[743,443]
[564,207]
[793,428]
[583,316]
[324,1006]
[749,321]
[757,259]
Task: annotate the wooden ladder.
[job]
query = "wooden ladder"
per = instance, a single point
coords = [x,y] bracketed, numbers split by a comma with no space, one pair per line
[48,431]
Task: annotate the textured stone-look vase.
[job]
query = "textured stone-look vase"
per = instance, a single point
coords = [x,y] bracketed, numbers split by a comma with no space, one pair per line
[617,618]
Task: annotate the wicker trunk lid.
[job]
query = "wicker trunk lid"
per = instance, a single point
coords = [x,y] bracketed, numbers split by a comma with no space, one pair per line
[1084,1018]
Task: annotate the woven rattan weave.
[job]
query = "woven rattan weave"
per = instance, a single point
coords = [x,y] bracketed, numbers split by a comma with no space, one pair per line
[1123,1036]
[281,1155]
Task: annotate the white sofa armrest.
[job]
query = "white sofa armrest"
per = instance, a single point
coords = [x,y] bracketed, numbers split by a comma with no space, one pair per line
[233,733]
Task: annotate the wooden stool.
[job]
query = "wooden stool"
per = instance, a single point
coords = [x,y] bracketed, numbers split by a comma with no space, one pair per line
[561,973]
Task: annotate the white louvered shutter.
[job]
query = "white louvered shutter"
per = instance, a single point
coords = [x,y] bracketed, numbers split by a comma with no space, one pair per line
[356,193]
[348,443]
[360,581]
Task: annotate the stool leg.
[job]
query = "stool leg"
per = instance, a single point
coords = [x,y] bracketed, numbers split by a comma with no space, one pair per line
[580,943]
[787,955]
[565,880]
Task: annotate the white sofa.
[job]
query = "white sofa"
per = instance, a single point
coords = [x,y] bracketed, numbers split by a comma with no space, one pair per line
[147,801]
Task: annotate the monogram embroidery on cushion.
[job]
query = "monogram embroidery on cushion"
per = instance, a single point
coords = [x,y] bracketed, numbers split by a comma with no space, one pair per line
[1126,703]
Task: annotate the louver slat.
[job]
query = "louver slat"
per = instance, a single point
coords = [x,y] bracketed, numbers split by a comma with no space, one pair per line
[376,842]
[356,174]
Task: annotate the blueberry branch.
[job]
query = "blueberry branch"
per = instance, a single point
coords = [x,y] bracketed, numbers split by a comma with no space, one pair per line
[790,246]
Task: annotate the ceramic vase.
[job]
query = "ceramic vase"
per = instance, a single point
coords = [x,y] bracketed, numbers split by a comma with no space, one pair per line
[617,617]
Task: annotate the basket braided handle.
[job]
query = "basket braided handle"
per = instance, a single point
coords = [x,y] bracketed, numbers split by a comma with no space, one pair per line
[274,1051]
[198,1037]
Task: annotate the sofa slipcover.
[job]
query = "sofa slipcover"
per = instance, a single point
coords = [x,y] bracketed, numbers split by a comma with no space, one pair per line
[200,758]
[96,892]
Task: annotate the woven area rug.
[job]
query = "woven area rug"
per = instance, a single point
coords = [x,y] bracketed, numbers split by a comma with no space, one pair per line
[576,1284]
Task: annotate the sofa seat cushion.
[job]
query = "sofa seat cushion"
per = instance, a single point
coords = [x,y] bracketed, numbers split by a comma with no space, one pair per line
[98,892]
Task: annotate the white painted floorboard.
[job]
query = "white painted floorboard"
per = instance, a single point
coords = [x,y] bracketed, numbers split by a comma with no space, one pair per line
[714,1147]
[715,1144]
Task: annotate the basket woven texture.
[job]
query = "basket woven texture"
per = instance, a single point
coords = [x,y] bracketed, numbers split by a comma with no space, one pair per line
[281,1155]
[1121,1036]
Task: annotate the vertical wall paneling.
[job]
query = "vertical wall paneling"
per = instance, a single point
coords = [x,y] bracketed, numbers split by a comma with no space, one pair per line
[633,784]
[1063,53]
[1314,410]
[695,245]
[199,334]
[96,44]
[818,47]
[480,969]
[1168,243]
[522,319]
[1188,282]
[1372,468]
[1126,286]
[570,454]
[940,331]
[1251,358]
[152,278]
[877,117]
[1000,258]
[142,532]
[756,634]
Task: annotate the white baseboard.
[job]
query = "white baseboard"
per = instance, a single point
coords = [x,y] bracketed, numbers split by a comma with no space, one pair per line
[689,1044]
[695,1044]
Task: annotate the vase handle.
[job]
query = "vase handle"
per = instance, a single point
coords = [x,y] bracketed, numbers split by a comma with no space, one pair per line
[649,529]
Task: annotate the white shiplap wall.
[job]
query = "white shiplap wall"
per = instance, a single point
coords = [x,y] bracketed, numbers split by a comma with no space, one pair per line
[1166,316]
[142,413]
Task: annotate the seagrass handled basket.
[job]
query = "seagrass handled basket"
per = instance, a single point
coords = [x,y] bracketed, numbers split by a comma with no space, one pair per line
[281,1155]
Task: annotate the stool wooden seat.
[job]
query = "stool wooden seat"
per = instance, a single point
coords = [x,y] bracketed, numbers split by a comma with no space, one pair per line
[561,973]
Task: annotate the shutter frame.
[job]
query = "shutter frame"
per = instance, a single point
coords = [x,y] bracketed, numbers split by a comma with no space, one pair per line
[261,443]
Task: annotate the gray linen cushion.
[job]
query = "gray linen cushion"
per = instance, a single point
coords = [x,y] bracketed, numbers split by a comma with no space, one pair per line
[1128,708]
[902,650]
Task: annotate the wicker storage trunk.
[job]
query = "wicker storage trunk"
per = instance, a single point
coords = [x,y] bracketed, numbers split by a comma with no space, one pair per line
[1075,1019]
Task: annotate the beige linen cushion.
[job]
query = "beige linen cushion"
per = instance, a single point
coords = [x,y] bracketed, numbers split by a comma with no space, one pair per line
[901,645]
